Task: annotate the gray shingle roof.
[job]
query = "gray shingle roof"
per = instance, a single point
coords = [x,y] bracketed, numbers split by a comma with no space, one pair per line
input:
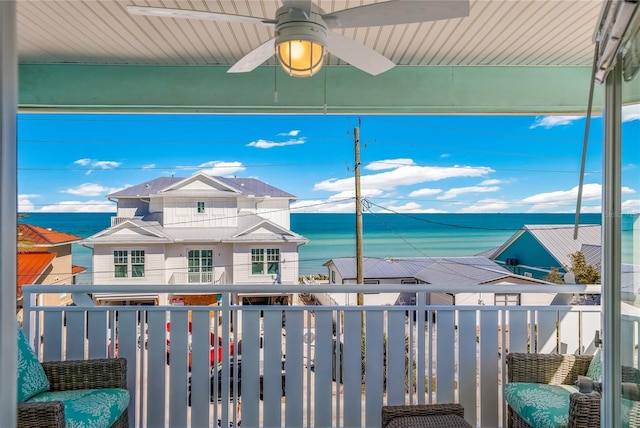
[246,186]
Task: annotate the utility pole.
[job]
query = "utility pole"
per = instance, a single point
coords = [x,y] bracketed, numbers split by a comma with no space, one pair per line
[359,271]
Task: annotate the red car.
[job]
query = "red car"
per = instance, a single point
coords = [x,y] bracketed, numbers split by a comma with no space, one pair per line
[212,359]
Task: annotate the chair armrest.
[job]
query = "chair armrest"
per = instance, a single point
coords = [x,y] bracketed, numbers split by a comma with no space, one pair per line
[391,412]
[44,414]
[86,374]
[554,369]
[584,410]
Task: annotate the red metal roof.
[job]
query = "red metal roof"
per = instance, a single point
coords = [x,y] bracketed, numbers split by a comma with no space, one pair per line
[30,267]
[77,269]
[43,236]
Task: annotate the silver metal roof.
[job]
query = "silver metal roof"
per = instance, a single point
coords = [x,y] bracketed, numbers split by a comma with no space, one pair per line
[463,271]
[417,267]
[557,239]
[249,187]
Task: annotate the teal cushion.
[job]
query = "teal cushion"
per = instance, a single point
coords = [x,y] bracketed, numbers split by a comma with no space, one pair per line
[31,377]
[595,367]
[89,408]
[540,405]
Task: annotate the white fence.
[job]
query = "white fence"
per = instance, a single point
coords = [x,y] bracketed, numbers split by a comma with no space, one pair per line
[291,358]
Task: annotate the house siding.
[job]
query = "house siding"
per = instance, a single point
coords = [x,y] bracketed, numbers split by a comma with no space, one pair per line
[528,251]
[183,212]
[288,265]
[154,266]
[129,208]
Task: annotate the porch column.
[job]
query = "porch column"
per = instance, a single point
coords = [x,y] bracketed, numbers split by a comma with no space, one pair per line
[8,210]
[611,247]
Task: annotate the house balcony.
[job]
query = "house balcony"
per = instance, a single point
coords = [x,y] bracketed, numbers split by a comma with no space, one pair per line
[217,276]
[294,373]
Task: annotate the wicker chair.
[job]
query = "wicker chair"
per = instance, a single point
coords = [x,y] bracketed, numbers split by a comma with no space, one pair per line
[73,375]
[559,369]
[423,416]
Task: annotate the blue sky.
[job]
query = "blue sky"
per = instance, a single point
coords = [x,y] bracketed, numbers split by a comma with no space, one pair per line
[452,164]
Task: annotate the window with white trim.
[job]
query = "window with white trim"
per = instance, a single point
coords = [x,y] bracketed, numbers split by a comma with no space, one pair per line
[261,265]
[273,261]
[507,299]
[137,264]
[120,264]
[257,261]
[127,265]
[200,205]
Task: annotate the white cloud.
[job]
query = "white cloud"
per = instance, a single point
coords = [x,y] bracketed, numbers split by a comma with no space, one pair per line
[444,155]
[91,189]
[388,164]
[80,207]
[545,202]
[25,204]
[320,206]
[292,133]
[490,182]
[632,206]
[83,162]
[96,164]
[222,168]
[401,176]
[216,168]
[424,192]
[551,121]
[631,112]
[351,193]
[487,206]
[452,193]
[409,207]
[266,144]
[150,166]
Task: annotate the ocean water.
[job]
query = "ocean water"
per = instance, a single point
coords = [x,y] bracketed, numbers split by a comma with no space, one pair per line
[384,235]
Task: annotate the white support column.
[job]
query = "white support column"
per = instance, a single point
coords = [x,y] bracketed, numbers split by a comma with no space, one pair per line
[8,210]
[611,248]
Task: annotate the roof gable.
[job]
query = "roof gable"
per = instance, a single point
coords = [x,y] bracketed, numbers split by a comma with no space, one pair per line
[555,239]
[265,230]
[200,182]
[132,230]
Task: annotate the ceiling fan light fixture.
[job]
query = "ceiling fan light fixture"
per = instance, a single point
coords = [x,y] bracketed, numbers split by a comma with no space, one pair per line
[300,58]
[300,41]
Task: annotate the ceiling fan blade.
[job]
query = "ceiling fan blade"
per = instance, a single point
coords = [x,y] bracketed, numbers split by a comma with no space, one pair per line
[254,58]
[196,14]
[397,12]
[304,5]
[358,55]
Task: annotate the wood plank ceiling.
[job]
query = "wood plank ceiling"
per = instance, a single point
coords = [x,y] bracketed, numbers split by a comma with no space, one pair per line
[497,33]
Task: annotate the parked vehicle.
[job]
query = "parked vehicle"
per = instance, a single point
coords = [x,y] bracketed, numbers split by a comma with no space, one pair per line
[216,379]
[213,358]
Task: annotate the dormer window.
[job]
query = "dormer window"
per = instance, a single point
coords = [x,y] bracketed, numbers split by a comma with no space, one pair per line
[200,207]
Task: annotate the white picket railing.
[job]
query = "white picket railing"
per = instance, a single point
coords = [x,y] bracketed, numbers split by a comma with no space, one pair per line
[454,353]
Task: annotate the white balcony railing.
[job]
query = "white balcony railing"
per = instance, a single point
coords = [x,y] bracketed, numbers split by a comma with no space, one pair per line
[217,276]
[388,354]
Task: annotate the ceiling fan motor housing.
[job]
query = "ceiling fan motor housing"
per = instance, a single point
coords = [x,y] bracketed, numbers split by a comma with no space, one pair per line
[300,40]
[296,24]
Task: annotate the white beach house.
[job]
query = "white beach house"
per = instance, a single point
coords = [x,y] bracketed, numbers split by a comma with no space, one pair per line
[198,230]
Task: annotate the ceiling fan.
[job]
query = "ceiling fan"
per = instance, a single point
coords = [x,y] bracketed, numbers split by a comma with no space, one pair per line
[303,31]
